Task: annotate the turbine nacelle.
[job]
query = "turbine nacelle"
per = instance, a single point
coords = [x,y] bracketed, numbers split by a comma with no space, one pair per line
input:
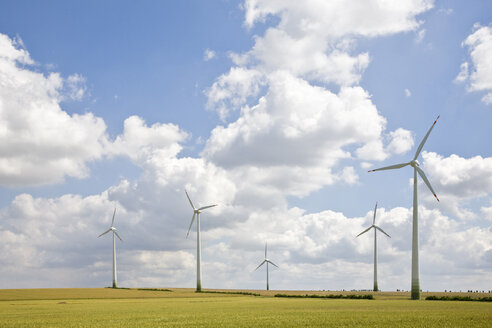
[415,163]
[111,229]
[196,211]
[266,260]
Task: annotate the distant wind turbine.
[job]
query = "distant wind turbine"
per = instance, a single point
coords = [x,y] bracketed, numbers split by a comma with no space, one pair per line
[266,260]
[415,225]
[113,229]
[375,246]
[196,212]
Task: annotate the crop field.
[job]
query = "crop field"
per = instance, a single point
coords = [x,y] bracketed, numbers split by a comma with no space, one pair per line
[102,307]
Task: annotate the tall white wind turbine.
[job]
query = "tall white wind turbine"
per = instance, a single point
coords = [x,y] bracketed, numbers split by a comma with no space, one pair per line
[113,229]
[266,260]
[375,246]
[415,228]
[196,212]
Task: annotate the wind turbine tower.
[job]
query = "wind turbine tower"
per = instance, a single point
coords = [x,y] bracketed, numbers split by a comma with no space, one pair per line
[375,246]
[196,213]
[266,260]
[113,229]
[415,224]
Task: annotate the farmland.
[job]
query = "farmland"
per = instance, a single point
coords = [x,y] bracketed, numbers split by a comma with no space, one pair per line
[99,307]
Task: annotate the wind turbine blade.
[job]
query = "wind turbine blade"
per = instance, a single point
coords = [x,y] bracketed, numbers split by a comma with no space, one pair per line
[264,261]
[204,207]
[382,231]
[105,232]
[112,222]
[374,219]
[363,232]
[266,250]
[192,220]
[272,263]
[191,203]
[118,235]
[391,167]
[422,174]
[417,153]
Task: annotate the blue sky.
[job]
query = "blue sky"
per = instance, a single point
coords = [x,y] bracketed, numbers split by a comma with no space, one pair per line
[274,111]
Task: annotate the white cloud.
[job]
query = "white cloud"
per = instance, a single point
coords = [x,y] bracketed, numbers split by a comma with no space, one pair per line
[43,239]
[75,85]
[43,144]
[209,54]
[408,93]
[284,132]
[420,36]
[291,134]
[232,90]
[313,40]
[12,51]
[463,74]
[479,45]
[463,177]
[308,57]
[140,142]
[40,142]
[338,18]
[487,99]
[401,141]
[458,180]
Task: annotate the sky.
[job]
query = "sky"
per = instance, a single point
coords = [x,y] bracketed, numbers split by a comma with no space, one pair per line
[275,111]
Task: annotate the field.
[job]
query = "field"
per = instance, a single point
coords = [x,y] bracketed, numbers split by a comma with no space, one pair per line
[102,307]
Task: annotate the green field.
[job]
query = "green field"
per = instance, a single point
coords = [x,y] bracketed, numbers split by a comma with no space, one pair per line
[99,307]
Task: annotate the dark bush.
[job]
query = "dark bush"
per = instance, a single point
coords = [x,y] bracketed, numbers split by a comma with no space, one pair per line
[458,298]
[356,297]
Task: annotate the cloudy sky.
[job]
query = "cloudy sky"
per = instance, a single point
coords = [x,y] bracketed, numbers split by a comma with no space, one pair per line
[274,110]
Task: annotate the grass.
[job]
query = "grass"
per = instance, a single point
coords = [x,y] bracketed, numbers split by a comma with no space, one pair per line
[100,307]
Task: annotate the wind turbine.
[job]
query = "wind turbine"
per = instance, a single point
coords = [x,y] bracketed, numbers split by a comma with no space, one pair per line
[196,212]
[375,246]
[415,225]
[266,260]
[113,229]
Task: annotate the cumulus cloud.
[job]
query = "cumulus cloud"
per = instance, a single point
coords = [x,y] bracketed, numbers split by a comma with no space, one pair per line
[463,177]
[41,143]
[314,40]
[293,129]
[284,133]
[401,141]
[338,18]
[57,237]
[140,142]
[478,72]
[307,57]
[232,90]
[458,180]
